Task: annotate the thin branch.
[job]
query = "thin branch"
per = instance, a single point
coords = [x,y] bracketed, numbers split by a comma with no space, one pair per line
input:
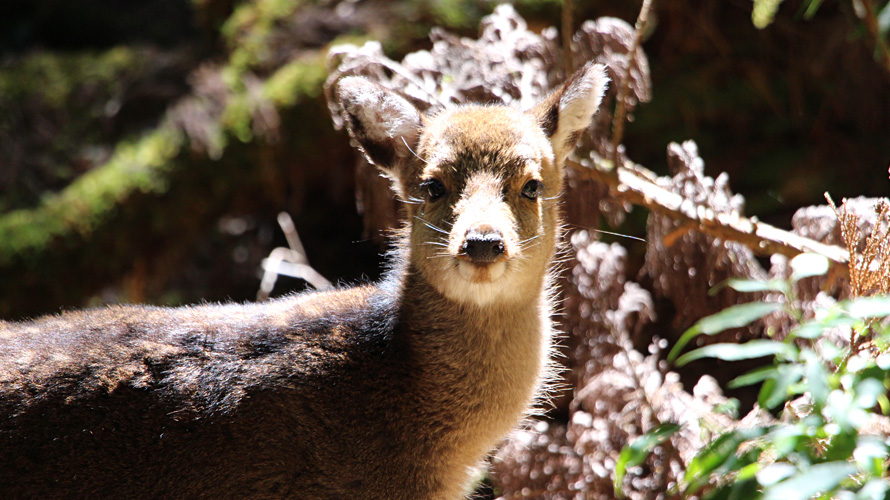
[289,262]
[871,23]
[621,108]
[400,70]
[293,238]
[635,184]
[568,28]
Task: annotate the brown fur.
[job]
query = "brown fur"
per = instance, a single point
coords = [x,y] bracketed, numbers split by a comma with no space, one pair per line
[393,391]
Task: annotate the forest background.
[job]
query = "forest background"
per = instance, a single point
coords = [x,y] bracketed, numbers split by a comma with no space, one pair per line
[146,149]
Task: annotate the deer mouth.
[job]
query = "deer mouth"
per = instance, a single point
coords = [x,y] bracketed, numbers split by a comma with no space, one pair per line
[481,272]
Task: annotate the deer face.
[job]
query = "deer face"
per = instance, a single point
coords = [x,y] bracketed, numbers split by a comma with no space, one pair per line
[483,204]
[480,182]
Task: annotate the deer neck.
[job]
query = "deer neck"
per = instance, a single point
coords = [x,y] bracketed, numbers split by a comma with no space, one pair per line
[434,319]
[477,369]
[495,352]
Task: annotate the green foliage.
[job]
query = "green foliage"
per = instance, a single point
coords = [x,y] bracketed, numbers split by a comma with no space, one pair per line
[248,30]
[456,13]
[884,20]
[138,166]
[764,11]
[59,110]
[732,317]
[298,79]
[142,165]
[820,446]
[53,77]
[636,452]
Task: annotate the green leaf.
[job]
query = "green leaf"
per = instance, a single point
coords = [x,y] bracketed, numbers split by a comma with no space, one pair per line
[740,489]
[729,407]
[841,410]
[731,317]
[814,328]
[736,316]
[749,286]
[812,7]
[785,439]
[749,471]
[839,447]
[806,265]
[735,352]
[754,376]
[884,403]
[775,389]
[877,306]
[636,452]
[884,20]
[819,478]
[875,489]
[870,454]
[773,473]
[763,12]
[867,392]
[714,455]
[816,379]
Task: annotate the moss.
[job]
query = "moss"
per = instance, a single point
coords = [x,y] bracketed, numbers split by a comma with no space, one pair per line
[142,166]
[81,208]
[236,118]
[248,29]
[63,113]
[456,14]
[104,218]
[53,78]
[298,79]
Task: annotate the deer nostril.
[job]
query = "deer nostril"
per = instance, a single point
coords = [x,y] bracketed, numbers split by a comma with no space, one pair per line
[483,247]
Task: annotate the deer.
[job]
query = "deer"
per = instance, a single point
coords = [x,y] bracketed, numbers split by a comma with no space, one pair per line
[391,390]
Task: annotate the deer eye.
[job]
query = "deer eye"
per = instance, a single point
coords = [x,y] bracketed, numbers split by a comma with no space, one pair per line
[434,188]
[532,189]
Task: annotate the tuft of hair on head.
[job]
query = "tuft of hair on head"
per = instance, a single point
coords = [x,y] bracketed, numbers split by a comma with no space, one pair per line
[567,111]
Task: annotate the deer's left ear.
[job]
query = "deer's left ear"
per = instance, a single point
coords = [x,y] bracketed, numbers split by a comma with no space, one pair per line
[566,112]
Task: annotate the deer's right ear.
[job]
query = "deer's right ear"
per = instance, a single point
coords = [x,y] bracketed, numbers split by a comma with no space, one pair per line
[385,125]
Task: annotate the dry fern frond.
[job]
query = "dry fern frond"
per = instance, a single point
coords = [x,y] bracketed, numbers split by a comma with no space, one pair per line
[870,269]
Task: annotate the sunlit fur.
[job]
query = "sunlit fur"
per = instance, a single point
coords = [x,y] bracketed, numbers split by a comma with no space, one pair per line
[389,391]
[484,155]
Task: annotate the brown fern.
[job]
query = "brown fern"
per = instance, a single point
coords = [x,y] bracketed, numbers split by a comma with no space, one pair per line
[870,269]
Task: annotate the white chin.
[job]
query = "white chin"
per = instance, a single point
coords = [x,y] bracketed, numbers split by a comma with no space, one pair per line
[481,274]
[468,283]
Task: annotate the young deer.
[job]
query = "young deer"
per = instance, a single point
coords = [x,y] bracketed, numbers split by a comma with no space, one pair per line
[395,390]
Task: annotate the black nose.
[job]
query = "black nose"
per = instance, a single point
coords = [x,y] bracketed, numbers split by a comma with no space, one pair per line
[483,247]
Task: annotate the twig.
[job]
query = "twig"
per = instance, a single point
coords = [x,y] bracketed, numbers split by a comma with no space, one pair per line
[404,73]
[869,270]
[871,23]
[293,239]
[289,262]
[568,28]
[621,107]
[633,183]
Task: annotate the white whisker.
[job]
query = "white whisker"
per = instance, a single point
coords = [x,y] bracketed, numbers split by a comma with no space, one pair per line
[412,151]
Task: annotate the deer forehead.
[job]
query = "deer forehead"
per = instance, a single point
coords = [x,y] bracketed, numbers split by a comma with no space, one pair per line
[502,140]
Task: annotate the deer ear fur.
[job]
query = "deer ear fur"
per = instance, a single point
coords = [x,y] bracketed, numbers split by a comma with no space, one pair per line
[566,112]
[385,125]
